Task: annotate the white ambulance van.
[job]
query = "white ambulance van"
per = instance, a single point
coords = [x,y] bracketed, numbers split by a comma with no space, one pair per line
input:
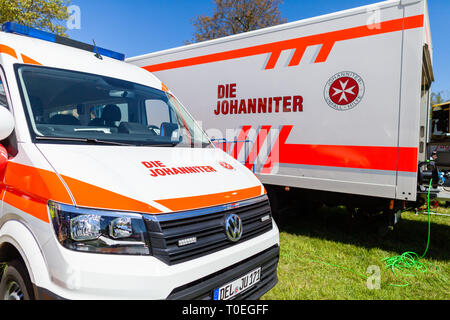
[333,109]
[112,191]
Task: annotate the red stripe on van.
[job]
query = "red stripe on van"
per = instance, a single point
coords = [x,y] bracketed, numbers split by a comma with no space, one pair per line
[358,157]
[274,156]
[254,153]
[327,40]
[237,146]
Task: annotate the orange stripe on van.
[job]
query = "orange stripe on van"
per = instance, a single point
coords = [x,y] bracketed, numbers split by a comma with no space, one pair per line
[2,190]
[28,189]
[38,183]
[88,195]
[327,40]
[28,60]
[164,87]
[35,206]
[8,50]
[210,200]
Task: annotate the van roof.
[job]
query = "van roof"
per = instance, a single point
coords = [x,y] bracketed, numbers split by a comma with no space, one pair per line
[12,27]
[17,48]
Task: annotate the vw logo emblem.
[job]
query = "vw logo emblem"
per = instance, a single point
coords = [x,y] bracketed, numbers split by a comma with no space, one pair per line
[233,227]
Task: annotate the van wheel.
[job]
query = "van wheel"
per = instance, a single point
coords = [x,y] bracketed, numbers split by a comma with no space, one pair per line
[15,283]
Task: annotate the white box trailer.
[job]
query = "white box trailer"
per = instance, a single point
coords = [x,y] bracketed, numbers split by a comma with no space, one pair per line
[337,103]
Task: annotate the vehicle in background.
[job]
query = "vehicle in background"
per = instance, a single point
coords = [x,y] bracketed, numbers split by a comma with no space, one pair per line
[329,110]
[440,134]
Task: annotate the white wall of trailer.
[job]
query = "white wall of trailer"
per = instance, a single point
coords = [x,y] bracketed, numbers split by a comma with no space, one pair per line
[367,147]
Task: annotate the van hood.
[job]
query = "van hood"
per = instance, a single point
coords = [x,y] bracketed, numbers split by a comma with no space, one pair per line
[150,179]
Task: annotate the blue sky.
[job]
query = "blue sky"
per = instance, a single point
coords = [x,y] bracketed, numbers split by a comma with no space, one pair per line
[137,27]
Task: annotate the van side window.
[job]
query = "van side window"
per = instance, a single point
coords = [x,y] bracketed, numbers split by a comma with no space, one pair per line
[3,101]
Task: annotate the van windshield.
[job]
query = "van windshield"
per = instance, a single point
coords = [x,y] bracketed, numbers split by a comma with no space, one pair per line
[70,106]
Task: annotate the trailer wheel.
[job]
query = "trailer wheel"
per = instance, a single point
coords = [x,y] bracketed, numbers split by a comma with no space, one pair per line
[15,283]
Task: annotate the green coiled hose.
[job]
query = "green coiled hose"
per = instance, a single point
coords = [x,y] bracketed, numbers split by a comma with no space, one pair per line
[410,260]
[404,262]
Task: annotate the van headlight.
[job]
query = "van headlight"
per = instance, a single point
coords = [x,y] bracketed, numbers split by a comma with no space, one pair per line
[99,231]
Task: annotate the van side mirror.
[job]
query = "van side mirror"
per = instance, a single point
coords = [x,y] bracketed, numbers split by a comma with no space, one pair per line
[6,123]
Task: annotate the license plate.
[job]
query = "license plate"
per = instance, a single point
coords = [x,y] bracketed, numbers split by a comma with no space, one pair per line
[232,289]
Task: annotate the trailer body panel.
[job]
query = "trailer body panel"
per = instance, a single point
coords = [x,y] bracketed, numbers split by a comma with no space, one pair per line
[332,103]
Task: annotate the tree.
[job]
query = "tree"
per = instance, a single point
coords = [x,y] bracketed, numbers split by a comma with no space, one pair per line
[437,98]
[48,15]
[237,16]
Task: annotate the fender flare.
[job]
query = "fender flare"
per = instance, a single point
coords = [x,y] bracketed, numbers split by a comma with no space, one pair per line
[20,237]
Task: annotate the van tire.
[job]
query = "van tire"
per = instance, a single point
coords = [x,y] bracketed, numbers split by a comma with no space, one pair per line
[15,283]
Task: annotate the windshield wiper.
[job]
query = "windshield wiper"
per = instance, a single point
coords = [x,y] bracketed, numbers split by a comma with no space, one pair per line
[161,144]
[177,144]
[88,140]
[115,143]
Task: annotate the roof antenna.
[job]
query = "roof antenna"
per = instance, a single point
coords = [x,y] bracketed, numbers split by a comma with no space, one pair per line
[97,55]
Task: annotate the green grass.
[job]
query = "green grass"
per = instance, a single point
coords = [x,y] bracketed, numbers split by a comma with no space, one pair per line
[309,244]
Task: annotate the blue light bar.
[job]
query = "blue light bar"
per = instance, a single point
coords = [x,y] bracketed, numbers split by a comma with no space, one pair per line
[109,53]
[12,27]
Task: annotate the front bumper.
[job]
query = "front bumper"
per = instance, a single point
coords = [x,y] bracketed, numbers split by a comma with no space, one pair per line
[203,289]
[86,276]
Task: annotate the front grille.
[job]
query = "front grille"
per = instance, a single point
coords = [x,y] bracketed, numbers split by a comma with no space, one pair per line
[203,289]
[208,227]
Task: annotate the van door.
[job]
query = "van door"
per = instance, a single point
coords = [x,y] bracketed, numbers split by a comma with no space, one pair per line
[6,143]
[425,107]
